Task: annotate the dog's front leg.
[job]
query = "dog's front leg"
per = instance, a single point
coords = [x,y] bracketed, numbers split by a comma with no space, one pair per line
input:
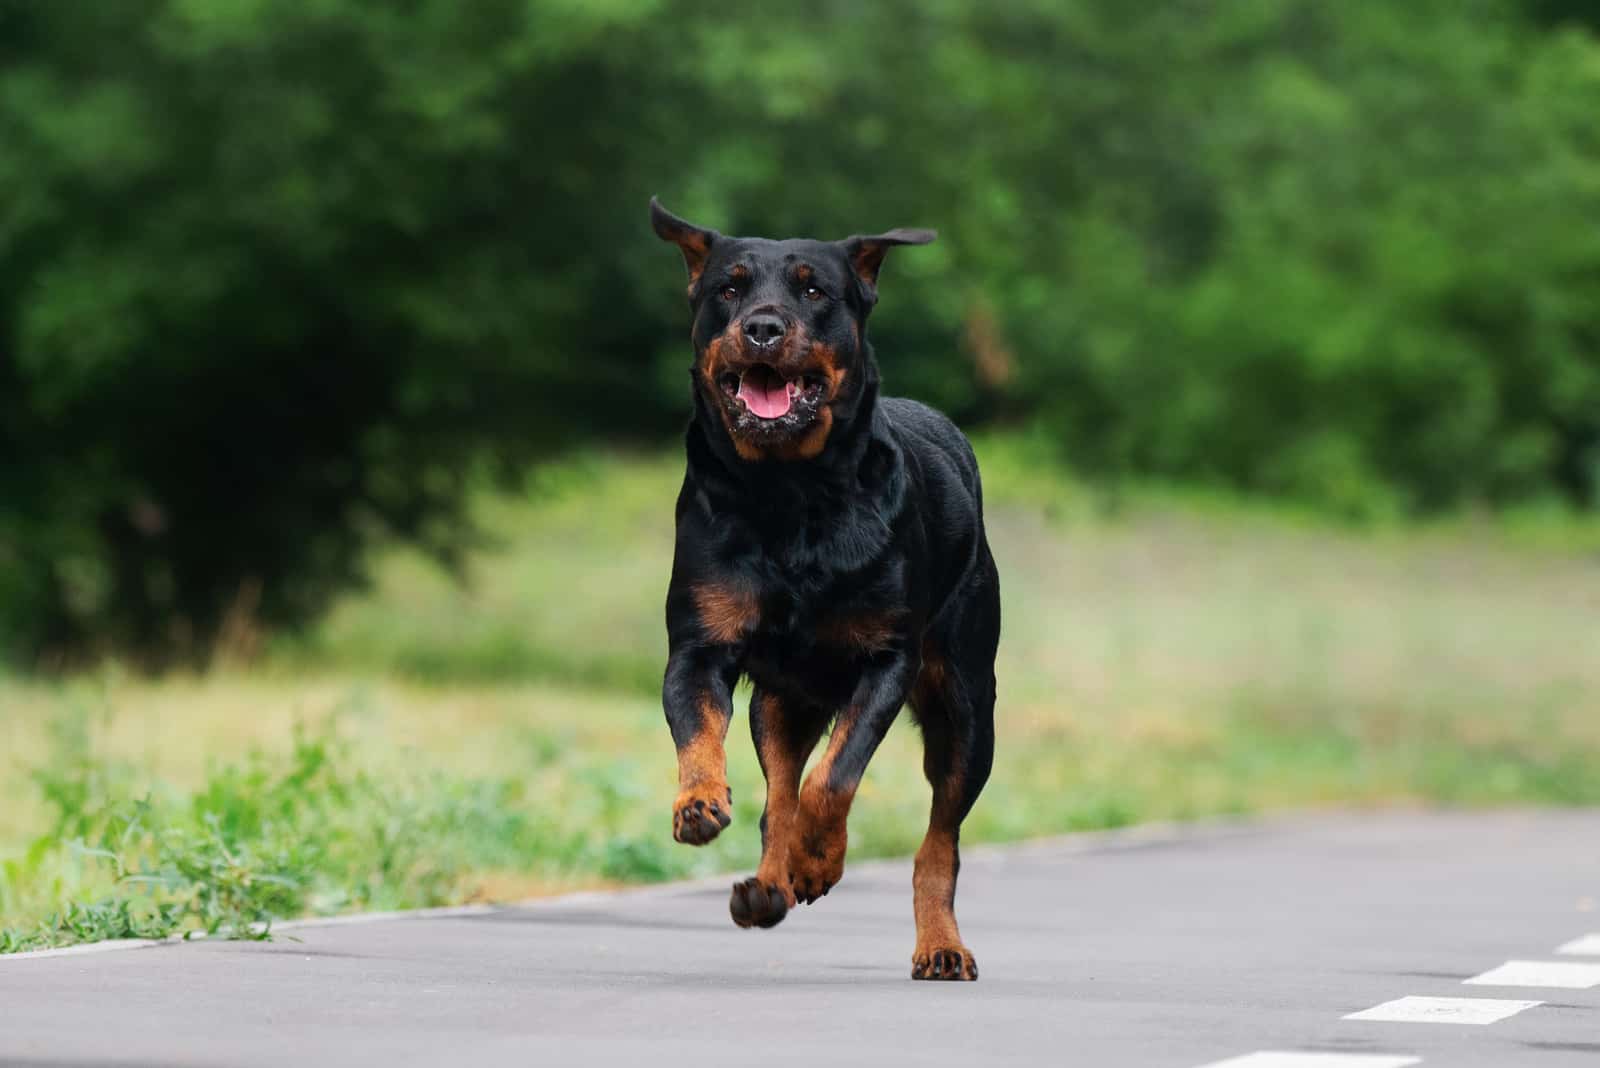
[817,844]
[785,734]
[698,697]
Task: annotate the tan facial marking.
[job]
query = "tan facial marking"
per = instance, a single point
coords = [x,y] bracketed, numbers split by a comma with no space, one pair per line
[811,443]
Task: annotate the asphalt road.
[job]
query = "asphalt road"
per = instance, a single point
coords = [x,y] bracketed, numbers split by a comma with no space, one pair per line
[1160,948]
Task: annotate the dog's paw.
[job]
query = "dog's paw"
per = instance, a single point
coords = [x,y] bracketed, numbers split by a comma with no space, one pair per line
[816,861]
[944,962]
[758,904]
[701,812]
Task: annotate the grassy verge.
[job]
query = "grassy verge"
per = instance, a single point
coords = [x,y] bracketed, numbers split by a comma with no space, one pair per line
[1166,655]
[317,817]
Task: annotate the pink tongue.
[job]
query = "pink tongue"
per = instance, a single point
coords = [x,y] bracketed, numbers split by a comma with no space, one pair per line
[765,394]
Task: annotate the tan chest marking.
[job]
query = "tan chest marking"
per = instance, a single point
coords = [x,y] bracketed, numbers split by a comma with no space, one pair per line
[727,613]
[870,632]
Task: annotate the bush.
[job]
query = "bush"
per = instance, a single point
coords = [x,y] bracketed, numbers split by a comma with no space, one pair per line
[274,278]
[313,831]
[278,279]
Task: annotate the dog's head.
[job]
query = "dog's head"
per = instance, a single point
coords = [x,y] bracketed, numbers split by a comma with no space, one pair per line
[779,331]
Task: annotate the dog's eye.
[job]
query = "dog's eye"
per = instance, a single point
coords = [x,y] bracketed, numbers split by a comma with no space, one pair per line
[812,293]
[730,292]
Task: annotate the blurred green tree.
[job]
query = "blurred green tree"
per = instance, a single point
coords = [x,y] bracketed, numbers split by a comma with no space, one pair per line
[276,276]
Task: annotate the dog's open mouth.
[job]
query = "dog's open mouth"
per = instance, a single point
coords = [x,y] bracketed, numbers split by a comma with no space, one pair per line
[766,393]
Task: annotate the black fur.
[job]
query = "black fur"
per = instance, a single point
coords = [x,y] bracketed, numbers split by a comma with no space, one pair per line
[842,543]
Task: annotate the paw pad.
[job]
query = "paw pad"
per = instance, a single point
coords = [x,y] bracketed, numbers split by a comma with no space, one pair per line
[700,815]
[757,904]
[948,963]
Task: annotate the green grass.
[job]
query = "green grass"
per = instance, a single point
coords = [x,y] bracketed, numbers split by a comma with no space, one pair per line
[315,828]
[1168,653]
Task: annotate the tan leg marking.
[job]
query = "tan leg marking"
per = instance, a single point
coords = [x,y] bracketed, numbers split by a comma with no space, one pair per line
[783,765]
[762,901]
[705,803]
[820,836]
[940,953]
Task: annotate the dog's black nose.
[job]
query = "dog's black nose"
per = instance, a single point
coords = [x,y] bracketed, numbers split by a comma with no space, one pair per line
[763,331]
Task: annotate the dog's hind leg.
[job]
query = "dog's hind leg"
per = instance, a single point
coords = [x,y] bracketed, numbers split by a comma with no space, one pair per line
[958,741]
[785,734]
[954,702]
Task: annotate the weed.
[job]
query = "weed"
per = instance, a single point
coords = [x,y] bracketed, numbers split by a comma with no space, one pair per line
[1166,655]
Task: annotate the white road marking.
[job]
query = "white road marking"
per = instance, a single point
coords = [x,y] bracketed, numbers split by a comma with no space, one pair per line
[1567,974]
[1477,1011]
[1295,1059]
[1587,946]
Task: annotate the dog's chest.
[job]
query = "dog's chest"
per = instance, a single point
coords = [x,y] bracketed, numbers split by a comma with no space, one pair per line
[817,647]
[851,627]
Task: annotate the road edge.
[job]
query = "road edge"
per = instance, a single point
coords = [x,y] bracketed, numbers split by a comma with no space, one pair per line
[1137,836]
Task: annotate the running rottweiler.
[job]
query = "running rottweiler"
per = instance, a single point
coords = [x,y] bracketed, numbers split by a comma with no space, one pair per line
[830,546]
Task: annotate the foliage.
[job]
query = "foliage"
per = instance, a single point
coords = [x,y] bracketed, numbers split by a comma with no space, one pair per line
[273,275]
[1184,656]
[278,277]
[310,831]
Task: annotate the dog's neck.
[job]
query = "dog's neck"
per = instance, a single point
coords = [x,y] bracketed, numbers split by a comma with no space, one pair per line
[834,513]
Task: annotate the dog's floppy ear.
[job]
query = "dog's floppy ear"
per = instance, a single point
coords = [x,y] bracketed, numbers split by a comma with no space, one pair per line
[866,253]
[694,241]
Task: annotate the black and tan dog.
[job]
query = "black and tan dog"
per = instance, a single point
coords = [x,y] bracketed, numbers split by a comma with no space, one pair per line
[830,546]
